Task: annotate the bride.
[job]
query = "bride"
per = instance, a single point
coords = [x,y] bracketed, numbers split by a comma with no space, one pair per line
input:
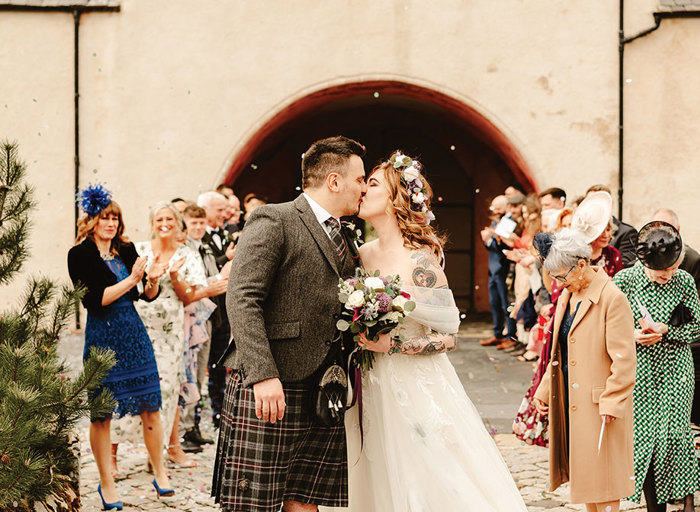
[423,446]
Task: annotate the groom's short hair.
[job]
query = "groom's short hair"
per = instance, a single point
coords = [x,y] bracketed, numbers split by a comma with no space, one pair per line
[325,156]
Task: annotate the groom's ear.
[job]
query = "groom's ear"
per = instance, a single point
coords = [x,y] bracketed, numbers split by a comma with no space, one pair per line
[333,181]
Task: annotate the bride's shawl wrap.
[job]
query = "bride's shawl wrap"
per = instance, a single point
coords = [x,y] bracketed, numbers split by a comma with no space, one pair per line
[435,308]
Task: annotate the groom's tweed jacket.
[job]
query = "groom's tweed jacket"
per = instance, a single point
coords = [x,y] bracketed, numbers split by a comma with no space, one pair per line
[282,298]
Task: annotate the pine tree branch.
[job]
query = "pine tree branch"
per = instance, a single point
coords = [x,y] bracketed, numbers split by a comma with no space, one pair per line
[17,479]
[90,379]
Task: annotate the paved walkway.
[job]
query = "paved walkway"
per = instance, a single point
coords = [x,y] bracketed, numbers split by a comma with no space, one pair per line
[495,382]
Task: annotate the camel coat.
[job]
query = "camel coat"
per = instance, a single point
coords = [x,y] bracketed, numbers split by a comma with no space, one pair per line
[602,364]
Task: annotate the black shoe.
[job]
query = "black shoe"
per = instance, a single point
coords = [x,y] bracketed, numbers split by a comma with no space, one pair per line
[190,447]
[194,435]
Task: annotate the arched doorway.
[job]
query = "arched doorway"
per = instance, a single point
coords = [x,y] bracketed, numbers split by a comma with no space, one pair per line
[467,159]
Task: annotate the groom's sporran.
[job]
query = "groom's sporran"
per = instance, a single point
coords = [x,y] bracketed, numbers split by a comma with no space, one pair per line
[282,437]
[330,389]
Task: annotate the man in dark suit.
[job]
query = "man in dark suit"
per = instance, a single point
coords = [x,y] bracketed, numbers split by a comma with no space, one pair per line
[624,236]
[221,244]
[283,306]
[498,271]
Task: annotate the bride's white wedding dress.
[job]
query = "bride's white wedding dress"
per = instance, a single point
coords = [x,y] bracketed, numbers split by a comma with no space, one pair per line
[424,448]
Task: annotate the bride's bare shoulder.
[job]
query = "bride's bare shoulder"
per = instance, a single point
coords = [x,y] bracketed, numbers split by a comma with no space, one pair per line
[367,248]
[425,269]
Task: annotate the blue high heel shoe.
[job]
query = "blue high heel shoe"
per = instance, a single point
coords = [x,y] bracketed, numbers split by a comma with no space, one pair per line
[162,493]
[117,505]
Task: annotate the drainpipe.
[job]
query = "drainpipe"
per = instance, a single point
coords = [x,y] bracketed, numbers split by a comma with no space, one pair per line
[658,18]
[76,118]
[76,10]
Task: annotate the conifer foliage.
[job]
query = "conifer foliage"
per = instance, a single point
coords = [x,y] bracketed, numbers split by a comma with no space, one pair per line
[40,403]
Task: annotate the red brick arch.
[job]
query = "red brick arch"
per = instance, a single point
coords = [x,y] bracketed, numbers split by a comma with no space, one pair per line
[457,110]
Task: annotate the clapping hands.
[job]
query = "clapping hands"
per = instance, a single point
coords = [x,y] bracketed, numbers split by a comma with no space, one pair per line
[156,270]
[225,270]
[138,270]
[230,251]
[175,268]
[217,287]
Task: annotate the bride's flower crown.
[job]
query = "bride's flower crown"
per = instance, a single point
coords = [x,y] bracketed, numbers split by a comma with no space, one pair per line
[411,179]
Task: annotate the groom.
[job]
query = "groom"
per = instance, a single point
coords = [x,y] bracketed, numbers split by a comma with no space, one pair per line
[282,303]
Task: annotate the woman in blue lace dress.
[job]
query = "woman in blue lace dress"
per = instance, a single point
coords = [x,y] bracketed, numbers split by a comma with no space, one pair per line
[107,265]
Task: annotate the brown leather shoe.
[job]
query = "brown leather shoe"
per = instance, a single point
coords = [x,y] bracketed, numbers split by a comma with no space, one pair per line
[506,344]
[492,341]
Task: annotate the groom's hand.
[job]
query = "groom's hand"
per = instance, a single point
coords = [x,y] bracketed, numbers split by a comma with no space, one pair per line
[269,400]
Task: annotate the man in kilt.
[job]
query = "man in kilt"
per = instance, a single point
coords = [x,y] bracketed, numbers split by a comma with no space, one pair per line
[282,303]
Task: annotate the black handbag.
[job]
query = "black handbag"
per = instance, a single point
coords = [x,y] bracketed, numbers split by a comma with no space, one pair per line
[330,388]
[680,316]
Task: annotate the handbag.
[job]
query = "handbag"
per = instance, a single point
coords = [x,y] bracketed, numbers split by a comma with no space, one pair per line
[680,316]
[330,388]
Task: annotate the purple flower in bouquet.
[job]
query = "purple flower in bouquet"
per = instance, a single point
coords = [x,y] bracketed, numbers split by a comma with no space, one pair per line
[383,302]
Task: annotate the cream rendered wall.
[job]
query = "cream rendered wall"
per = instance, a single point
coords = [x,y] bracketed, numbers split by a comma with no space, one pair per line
[662,127]
[36,110]
[170,89]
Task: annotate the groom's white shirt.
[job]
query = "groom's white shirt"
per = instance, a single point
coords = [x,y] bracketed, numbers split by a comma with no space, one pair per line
[321,214]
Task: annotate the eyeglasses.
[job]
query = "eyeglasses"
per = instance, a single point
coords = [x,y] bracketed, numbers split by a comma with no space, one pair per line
[561,279]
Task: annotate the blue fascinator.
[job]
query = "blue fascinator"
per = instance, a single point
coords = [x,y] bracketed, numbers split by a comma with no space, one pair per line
[93,199]
[542,243]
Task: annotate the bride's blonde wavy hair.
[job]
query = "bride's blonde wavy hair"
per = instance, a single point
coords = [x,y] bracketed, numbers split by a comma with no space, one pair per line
[414,225]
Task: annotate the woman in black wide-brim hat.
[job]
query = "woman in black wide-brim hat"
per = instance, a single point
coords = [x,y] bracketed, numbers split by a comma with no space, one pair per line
[666,311]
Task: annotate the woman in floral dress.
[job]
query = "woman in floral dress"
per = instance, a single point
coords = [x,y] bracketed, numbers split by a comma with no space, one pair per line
[184,282]
[665,465]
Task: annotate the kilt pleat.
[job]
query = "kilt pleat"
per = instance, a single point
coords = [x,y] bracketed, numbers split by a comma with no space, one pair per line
[260,465]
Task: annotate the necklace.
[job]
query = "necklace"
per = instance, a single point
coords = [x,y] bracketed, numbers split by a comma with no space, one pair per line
[107,257]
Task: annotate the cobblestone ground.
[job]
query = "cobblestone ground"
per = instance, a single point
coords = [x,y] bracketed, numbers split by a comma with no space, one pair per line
[528,464]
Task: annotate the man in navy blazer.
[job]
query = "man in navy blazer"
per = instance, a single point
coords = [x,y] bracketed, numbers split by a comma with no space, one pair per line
[498,271]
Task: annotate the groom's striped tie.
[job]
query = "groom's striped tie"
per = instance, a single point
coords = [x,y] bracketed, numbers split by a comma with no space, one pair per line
[336,236]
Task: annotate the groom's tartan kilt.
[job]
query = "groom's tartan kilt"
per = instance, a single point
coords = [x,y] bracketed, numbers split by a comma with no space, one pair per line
[259,465]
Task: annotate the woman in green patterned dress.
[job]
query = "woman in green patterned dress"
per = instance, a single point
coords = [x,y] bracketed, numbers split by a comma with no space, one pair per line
[666,310]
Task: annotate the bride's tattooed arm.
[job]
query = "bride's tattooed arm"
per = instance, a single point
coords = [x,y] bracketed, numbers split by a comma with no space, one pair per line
[427,272]
[434,343]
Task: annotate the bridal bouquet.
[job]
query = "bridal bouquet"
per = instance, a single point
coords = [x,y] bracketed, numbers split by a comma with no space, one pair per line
[372,305]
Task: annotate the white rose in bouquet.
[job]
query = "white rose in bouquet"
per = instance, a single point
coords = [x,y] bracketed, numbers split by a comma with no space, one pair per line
[393,316]
[374,283]
[399,302]
[356,299]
